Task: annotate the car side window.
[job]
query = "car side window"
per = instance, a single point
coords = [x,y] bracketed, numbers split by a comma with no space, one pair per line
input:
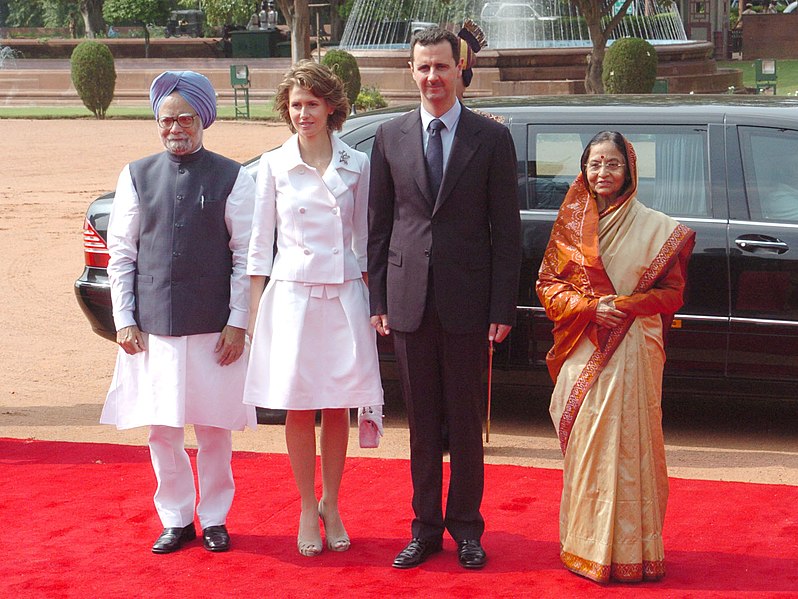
[770,166]
[365,145]
[672,166]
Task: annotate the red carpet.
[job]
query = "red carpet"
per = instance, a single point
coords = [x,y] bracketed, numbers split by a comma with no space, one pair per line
[79,522]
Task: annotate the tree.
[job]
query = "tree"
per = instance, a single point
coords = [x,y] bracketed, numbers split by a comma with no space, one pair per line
[3,12]
[597,18]
[141,12]
[23,13]
[297,17]
[92,13]
[336,22]
[224,12]
[94,76]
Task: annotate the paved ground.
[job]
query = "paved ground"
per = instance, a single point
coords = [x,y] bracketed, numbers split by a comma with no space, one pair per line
[55,371]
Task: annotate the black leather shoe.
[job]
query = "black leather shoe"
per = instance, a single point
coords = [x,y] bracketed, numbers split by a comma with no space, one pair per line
[417,552]
[215,538]
[471,554]
[172,539]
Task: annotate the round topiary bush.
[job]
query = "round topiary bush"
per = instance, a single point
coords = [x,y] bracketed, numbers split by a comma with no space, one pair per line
[344,65]
[630,67]
[94,76]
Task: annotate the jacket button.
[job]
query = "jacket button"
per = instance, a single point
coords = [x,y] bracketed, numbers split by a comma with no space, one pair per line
[307,252]
[301,211]
[427,253]
[335,250]
[335,210]
[179,198]
[181,170]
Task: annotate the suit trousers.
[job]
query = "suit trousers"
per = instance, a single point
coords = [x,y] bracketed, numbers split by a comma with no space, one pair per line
[441,381]
[176,494]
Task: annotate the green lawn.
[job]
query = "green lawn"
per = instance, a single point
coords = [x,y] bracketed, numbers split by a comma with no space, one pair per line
[256,112]
[786,70]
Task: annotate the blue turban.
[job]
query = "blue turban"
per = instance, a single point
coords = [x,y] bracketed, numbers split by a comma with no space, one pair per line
[193,87]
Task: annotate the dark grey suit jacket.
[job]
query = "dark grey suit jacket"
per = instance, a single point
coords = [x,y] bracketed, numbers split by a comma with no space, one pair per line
[468,238]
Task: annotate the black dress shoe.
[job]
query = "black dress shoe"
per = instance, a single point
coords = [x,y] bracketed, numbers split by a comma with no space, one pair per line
[471,554]
[172,539]
[215,538]
[417,552]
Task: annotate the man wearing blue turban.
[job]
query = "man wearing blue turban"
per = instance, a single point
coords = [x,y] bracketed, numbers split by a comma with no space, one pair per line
[177,238]
[192,87]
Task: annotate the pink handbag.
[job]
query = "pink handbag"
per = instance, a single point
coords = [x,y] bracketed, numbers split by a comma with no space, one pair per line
[369,424]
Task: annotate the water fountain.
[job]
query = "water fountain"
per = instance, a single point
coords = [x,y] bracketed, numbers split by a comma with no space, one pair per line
[534,46]
[385,24]
[7,55]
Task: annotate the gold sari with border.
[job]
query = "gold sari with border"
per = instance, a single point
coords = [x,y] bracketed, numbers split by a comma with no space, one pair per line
[608,383]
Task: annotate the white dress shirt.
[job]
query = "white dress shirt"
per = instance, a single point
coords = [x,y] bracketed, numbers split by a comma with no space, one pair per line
[450,119]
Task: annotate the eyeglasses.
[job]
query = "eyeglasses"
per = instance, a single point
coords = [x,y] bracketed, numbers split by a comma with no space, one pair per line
[612,166]
[184,120]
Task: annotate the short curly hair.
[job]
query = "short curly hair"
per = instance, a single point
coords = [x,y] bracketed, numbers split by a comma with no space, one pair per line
[322,83]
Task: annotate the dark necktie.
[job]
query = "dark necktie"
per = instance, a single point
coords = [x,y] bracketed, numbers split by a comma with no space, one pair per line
[435,155]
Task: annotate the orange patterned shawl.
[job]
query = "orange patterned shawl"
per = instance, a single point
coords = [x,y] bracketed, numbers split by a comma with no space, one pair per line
[572,276]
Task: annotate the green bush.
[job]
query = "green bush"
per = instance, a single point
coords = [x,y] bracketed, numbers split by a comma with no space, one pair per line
[94,76]
[369,98]
[630,67]
[344,65]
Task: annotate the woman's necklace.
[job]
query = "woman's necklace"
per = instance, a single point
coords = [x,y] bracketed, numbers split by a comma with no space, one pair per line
[320,164]
[319,160]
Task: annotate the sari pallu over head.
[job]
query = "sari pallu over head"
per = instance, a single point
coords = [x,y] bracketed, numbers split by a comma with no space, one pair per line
[572,278]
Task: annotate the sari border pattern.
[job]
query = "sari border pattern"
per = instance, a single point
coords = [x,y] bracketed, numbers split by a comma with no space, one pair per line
[647,570]
[672,246]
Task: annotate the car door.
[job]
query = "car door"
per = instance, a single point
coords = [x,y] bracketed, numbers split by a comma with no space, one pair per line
[763,259]
[674,177]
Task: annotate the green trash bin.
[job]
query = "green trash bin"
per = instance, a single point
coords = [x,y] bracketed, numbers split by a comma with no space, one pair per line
[254,44]
[283,50]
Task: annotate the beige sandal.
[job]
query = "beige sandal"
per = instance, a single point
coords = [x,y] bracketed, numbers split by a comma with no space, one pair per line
[309,545]
[339,543]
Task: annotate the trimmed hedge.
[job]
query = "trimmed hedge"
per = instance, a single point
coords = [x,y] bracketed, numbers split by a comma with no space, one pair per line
[94,76]
[344,65]
[630,67]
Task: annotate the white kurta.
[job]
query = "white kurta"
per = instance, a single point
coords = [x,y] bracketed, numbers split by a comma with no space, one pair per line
[312,346]
[177,380]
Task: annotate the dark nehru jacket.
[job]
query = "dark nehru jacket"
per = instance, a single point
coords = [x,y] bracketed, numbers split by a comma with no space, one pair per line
[184,260]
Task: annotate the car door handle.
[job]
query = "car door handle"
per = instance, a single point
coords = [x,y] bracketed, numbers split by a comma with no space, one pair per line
[757,243]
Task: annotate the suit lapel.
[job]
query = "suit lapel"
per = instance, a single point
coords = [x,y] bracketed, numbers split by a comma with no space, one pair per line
[464,147]
[412,145]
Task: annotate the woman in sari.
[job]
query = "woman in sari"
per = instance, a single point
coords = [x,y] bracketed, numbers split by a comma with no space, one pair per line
[612,277]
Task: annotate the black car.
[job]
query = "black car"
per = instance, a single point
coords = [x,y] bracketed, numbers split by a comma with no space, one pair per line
[726,166]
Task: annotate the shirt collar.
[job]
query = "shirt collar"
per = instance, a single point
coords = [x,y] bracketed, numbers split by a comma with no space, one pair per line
[341,154]
[449,118]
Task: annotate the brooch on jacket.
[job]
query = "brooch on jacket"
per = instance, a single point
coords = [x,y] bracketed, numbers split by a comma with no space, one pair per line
[344,157]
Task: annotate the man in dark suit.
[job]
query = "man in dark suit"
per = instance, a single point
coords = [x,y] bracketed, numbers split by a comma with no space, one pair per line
[443,261]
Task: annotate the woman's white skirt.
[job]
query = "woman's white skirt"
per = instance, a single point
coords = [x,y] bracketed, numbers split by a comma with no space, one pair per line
[313,347]
[178,381]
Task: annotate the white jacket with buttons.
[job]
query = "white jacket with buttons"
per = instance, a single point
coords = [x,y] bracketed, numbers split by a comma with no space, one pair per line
[321,219]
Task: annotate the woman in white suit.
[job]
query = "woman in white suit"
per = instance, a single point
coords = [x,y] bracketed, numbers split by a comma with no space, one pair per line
[312,344]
